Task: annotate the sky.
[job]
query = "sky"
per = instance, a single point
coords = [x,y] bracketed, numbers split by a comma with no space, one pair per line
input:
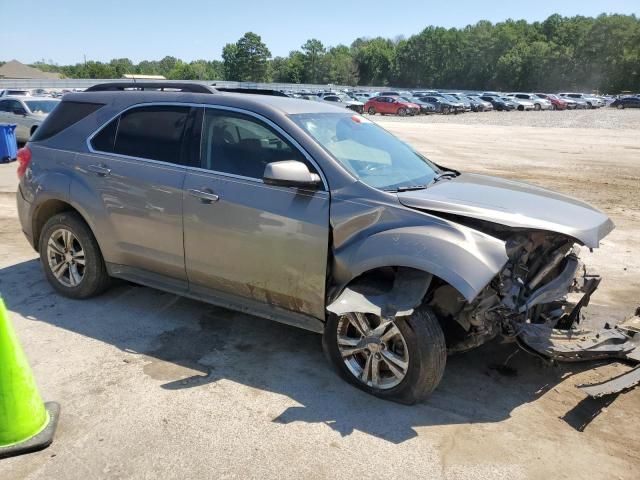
[65,31]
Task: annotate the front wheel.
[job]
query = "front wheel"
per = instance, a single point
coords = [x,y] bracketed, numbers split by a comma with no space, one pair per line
[401,359]
[537,107]
[71,258]
[402,112]
[620,106]
[445,110]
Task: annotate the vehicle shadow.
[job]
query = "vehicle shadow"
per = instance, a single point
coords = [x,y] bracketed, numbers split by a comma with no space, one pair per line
[188,344]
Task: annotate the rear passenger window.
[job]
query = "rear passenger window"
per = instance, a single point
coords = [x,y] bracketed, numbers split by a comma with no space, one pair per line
[241,145]
[62,117]
[105,139]
[153,132]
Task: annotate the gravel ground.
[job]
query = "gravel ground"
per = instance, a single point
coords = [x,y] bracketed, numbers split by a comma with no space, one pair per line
[603,118]
[157,386]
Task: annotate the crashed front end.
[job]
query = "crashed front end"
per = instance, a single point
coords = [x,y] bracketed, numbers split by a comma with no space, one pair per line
[536,299]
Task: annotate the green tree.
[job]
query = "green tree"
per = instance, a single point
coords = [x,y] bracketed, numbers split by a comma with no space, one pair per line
[374,60]
[313,51]
[247,60]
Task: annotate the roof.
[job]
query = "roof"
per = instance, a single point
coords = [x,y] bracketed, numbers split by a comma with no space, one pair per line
[15,69]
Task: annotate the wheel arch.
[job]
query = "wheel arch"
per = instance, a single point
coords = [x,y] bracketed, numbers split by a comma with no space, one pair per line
[47,209]
[461,257]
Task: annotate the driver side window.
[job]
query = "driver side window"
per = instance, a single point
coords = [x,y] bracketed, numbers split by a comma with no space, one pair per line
[241,145]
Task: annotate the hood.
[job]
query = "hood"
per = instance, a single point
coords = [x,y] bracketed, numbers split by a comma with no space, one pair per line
[513,204]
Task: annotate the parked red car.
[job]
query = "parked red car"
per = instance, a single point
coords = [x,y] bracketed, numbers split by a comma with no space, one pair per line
[556,102]
[390,105]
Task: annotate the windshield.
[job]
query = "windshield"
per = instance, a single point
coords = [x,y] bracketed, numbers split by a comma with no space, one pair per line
[451,98]
[367,151]
[41,106]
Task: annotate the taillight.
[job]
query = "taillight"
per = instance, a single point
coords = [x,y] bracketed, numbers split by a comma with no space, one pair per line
[24,158]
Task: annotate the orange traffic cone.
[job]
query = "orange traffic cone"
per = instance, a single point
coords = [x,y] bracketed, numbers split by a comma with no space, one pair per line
[26,424]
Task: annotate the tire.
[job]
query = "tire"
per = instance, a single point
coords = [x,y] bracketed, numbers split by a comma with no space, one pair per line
[446,110]
[93,276]
[620,106]
[521,108]
[371,111]
[425,347]
[537,107]
[553,107]
[402,112]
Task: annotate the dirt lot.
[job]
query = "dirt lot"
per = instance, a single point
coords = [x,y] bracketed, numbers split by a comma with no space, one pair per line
[153,385]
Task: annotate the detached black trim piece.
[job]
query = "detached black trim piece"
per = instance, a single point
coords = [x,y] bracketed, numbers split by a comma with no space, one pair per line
[141,86]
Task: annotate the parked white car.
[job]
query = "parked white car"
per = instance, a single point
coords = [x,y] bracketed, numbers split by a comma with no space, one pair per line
[11,92]
[26,112]
[521,103]
[591,100]
[539,103]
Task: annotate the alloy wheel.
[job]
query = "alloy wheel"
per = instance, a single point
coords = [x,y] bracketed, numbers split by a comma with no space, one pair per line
[373,349]
[66,257]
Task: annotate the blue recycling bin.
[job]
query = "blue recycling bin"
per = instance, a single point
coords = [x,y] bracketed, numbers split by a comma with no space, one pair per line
[8,143]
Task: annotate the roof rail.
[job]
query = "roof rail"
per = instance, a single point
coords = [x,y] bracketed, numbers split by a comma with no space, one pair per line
[162,86]
[254,91]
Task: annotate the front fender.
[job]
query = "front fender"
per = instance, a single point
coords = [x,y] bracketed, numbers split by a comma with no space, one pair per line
[465,258]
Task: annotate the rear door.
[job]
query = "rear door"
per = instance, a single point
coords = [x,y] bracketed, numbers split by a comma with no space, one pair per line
[245,240]
[132,183]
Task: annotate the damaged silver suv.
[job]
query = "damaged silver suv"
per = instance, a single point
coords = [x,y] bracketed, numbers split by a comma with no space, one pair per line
[305,214]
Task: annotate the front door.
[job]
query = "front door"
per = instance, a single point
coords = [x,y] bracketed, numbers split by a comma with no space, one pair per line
[246,240]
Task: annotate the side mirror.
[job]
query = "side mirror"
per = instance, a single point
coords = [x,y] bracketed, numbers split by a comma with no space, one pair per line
[290,173]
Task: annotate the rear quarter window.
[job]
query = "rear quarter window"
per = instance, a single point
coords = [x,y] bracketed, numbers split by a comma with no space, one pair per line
[62,117]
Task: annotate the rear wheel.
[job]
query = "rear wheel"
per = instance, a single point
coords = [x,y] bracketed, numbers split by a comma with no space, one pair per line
[71,258]
[372,111]
[401,360]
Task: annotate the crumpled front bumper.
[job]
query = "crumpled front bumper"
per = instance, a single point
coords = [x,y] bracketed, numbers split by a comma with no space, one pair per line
[621,342]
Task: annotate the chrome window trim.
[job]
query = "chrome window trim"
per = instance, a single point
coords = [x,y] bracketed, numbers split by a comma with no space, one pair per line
[262,118]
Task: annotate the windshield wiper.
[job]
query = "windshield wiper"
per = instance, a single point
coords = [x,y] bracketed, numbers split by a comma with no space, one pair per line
[438,177]
[411,187]
[441,175]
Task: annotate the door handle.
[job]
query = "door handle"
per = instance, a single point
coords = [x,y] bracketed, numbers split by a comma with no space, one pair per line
[206,195]
[99,170]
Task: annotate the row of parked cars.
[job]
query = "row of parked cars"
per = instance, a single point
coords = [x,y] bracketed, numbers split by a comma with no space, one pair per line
[403,103]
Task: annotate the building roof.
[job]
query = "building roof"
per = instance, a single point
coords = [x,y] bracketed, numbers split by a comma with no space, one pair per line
[137,76]
[16,70]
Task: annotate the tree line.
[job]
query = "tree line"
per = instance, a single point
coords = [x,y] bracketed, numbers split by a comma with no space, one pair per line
[559,53]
